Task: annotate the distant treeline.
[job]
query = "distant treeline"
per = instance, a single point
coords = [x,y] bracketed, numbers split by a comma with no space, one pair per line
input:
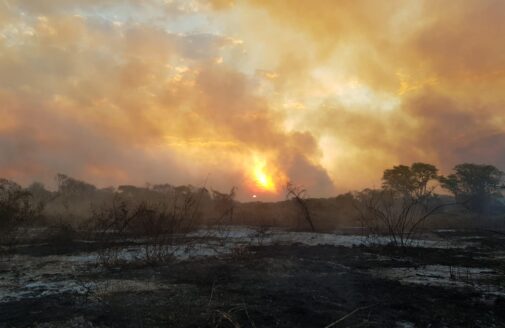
[476,189]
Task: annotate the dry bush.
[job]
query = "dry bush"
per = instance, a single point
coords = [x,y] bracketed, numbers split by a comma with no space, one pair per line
[398,216]
[62,233]
[261,235]
[403,204]
[224,206]
[279,214]
[159,226]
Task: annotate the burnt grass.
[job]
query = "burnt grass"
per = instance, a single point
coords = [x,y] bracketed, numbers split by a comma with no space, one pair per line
[271,286]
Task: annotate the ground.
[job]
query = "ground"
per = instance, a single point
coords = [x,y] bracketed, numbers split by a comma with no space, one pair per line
[455,279]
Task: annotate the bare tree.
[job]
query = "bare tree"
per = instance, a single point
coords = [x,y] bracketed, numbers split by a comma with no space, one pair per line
[224,205]
[299,196]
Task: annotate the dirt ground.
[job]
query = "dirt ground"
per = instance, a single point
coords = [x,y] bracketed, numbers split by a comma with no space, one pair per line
[273,285]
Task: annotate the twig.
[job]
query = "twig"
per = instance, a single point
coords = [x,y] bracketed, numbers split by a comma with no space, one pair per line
[229,318]
[211,292]
[249,317]
[347,316]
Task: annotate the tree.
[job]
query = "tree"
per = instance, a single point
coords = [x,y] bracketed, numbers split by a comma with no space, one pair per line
[70,186]
[404,203]
[224,204]
[299,195]
[16,210]
[474,184]
[411,180]
[40,194]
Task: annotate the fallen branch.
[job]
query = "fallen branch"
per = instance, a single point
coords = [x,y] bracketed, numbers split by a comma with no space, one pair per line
[228,318]
[212,292]
[347,316]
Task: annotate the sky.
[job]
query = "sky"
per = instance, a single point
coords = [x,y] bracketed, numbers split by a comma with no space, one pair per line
[253,94]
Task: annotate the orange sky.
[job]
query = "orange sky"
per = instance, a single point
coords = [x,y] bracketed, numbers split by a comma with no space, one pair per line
[254,93]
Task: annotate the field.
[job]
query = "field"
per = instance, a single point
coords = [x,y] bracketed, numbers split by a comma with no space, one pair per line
[238,276]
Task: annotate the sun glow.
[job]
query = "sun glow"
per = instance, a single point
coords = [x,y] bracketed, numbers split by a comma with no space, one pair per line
[262,176]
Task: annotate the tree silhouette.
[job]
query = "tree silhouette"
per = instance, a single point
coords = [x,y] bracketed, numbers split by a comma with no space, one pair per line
[474,184]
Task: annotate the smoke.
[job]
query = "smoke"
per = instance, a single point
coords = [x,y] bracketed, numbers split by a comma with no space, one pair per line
[328,94]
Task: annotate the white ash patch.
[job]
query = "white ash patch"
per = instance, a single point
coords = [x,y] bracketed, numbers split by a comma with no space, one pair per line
[30,276]
[106,287]
[445,276]
[405,324]
[40,289]
[43,288]
[249,235]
